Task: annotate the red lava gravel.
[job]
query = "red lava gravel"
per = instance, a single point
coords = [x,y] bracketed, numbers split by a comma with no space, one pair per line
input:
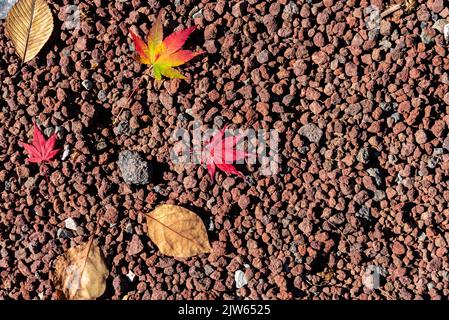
[359,209]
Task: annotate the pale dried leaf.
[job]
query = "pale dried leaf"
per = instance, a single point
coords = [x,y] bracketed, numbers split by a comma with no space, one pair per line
[29,24]
[177,232]
[440,24]
[81,272]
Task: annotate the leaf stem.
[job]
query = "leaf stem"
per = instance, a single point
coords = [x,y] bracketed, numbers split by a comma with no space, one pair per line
[89,246]
[46,174]
[127,101]
[391,10]
[27,42]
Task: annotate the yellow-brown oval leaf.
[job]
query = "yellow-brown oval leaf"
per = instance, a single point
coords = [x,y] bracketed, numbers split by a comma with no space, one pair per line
[29,25]
[177,232]
[80,273]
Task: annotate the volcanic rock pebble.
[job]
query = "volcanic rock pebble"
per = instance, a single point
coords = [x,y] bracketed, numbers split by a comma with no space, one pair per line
[311,132]
[134,169]
[135,246]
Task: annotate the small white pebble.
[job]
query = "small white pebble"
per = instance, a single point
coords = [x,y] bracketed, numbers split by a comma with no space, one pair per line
[240,280]
[66,152]
[70,224]
[131,275]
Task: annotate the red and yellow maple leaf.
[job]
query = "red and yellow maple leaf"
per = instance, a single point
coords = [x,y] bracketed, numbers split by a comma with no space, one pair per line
[41,150]
[164,54]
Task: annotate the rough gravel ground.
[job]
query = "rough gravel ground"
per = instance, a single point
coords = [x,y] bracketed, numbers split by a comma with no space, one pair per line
[364,149]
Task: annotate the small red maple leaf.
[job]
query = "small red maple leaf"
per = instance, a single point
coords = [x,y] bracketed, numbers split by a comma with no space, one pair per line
[41,150]
[220,152]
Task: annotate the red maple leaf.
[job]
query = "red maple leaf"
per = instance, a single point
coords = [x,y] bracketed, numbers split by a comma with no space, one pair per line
[220,152]
[41,150]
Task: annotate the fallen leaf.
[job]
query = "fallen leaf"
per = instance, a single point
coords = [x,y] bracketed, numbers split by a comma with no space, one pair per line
[410,5]
[221,152]
[164,54]
[327,274]
[440,24]
[29,24]
[41,150]
[81,272]
[74,156]
[177,232]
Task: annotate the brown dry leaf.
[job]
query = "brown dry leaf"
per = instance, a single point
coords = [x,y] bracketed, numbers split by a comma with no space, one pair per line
[80,273]
[440,25]
[410,5]
[327,274]
[29,25]
[177,232]
[407,5]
